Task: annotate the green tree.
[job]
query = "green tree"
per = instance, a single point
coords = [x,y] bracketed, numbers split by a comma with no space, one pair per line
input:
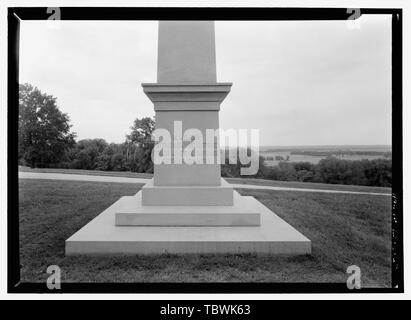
[85,154]
[140,145]
[44,135]
[232,170]
[141,131]
[379,172]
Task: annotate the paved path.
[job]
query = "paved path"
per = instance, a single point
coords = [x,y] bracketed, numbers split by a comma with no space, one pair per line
[83,177]
[79,177]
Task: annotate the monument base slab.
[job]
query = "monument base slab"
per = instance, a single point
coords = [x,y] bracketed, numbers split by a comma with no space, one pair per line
[102,237]
[243,212]
[221,195]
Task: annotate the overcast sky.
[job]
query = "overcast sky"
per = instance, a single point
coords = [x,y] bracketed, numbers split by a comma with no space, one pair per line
[300,83]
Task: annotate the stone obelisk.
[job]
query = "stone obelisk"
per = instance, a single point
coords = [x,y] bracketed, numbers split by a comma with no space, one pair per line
[187,208]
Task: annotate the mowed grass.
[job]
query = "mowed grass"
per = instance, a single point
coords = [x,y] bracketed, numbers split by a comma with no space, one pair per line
[344,230]
[251,181]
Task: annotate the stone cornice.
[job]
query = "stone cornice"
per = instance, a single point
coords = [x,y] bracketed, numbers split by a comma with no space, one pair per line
[215,92]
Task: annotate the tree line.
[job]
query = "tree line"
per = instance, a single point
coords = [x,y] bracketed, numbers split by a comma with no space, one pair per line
[45,140]
[377,172]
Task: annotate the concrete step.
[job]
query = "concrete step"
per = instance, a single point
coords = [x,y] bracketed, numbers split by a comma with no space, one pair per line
[153,195]
[243,212]
[102,237]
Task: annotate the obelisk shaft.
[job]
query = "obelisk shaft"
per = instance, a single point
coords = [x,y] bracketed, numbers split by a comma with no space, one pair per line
[187,91]
[186,52]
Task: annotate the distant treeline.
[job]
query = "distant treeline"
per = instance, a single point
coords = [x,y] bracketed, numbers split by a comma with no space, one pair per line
[376,172]
[97,154]
[327,153]
[276,158]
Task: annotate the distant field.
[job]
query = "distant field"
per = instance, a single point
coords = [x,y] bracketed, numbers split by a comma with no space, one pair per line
[287,152]
[344,229]
[261,182]
[308,158]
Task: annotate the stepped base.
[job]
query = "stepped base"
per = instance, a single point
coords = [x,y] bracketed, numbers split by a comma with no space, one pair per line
[187,195]
[102,237]
[243,212]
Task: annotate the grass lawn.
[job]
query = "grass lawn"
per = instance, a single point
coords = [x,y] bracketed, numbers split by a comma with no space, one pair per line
[260,182]
[344,230]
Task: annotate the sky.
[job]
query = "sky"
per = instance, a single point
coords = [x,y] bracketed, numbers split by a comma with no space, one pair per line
[298,82]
